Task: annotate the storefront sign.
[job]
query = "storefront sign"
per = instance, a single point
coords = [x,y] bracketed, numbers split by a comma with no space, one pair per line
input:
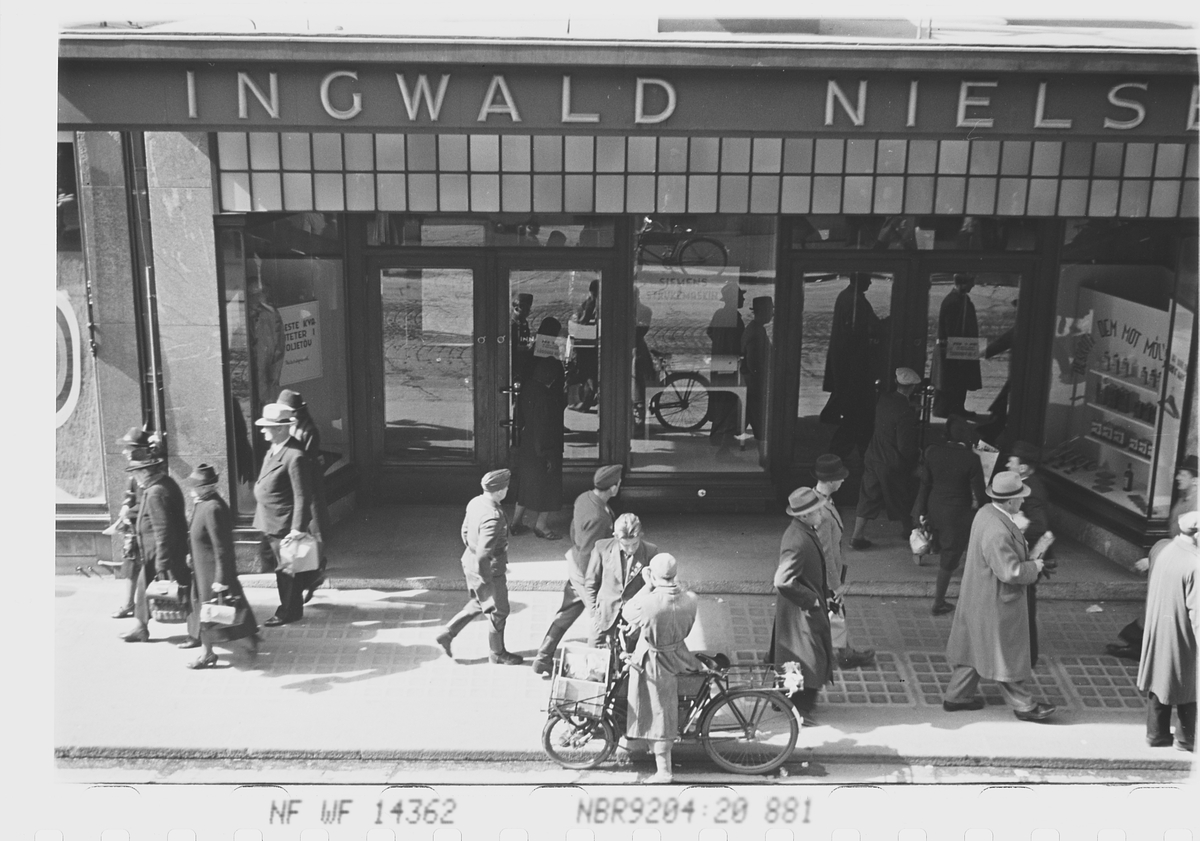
[301,343]
[397,97]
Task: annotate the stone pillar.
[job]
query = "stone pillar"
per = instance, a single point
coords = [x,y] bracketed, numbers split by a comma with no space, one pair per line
[179,180]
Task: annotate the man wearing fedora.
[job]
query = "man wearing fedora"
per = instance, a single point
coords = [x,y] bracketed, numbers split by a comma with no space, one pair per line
[613,574]
[137,438]
[890,463]
[1023,460]
[592,521]
[830,474]
[162,532]
[485,565]
[990,635]
[304,430]
[801,631]
[283,494]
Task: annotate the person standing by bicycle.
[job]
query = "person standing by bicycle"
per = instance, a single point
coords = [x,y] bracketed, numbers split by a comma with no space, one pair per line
[614,574]
[663,612]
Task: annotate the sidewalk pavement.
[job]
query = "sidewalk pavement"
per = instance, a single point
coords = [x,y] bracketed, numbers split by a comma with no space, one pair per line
[361,677]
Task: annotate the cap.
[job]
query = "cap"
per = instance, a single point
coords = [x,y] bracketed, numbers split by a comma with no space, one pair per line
[607,476]
[495,480]
[276,414]
[829,468]
[907,376]
[204,474]
[802,500]
[663,568]
[963,277]
[1007,485]
[524,298]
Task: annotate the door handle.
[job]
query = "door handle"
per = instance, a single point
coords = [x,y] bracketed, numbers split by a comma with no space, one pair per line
[507,424]
[515,388]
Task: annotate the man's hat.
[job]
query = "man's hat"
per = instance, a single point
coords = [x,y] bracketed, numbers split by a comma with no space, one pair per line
[292,399]
[276,414]
[829,468]
[1027,452]
[803,500]
[495,480]
[135,437]
[1189,464]
[907,376]
[143,457]
[1007,485]
[663,568]
[524,298]
[761,301]
[203,474]
[607,476]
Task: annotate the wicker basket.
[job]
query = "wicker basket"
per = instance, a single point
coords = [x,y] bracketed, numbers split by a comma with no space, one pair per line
[167,610]
[580,680]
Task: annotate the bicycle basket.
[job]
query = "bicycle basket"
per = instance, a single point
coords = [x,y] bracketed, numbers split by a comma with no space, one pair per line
[580,680]
[763,676]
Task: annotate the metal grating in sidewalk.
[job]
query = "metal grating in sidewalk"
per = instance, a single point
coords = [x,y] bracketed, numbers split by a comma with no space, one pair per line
[1103,682]
[932,674]
[884,683]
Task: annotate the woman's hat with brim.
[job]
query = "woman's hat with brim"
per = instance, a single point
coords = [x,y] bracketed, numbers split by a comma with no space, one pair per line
[496,480]
[663,568]
[829,468]
[1007,485]
[203,474]
[143,457]
[292,399]
[802,501]
[276,414]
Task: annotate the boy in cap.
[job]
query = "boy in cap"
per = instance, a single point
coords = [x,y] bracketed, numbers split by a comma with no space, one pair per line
[890,461]
[485,565]
[592,521]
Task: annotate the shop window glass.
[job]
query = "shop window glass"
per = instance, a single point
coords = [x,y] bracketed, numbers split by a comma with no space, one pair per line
[297,153]
[827,155]
[285,304]
[516,153]
[231,150]
[360,191]
[889,194]
[985,157]
[860,155]
[578,195]
[579,154]
[452,190]
[1189,170]
[672,193]
[797,194]
[1135,198]
[297,191]
[891,156]
[517,195]
[1043,196]
[547,153]
[703,314]
[235,191]
[1108,160]
[610,154]
[1072,197]
[1103,199]
[360,155]
[1016,157]
[952,158]
[547,193]
[1139,158]
[641,154]
[768,152]
[267,191]
[1047,157]
[1187,206]
[527,230]
[1010,196]
[327,151]
[981,196]
[78,452]
[919,196]
[389,152]
[264,150]
[1164,199]
[857,197]
[452,152]
[422,191]
[950,195]
[672,154]
[827,194]
[422,152]
[797,155]
[1077,159]
[764,194]
[913,232]
[392,191]
[485,193]
[922,156]
[328,190]
[485,153]
[610,194]
[735,193]
[639,194]
[735,154]
[702,193]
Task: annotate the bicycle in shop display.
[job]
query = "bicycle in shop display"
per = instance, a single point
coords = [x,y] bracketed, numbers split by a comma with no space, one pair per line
[740,715]
[678,245]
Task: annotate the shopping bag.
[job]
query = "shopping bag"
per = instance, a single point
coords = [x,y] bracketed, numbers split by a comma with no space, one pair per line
[162,589]
[920,542]
[299,554]
[837,629]
[218,614]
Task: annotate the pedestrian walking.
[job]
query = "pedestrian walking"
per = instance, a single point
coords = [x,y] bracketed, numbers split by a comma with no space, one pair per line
[663,614]
[283,493]
[1023,460]
[951,488]
[801,631]
[956,319]
[162,533]
[214,567]
[854,337]
[137,438]
[614,574]
[308,436]
[888,482]
[830,474]
[725,331]
[592,521]
[1167,672]
[485,565]
[990,634]
[540,452]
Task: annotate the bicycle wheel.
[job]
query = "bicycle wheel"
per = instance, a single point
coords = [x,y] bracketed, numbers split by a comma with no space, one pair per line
[683,402]
[749,731]
[703,252]
[576,741]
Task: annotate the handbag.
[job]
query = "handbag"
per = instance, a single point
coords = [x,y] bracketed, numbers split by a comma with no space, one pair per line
[920,541]
[837,623]
[166,603]
[299,554]
[223,609]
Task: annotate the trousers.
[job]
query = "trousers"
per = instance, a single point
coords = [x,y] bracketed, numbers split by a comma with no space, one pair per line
[964,682]
[496,609]
[290,587]
[1158,723]
[572,608]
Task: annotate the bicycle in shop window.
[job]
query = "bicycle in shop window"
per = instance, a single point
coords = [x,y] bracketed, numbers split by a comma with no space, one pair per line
[678,245]
[680,396]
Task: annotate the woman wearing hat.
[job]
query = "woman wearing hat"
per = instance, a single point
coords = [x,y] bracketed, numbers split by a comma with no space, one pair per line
[136,438]
[308,436]
[801,632]
[540,452]
[214,565]
[951,489]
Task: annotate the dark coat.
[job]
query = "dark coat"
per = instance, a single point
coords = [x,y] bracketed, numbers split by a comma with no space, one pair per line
[852,336]
[213,562]
[1037,508]
[1169,647]
[893,452]
[306,434]
[540,454]
[756,365]
[607,586]
[801,631]
[951,487]
[162,529]
[284,491]
[957,318]
[592,521]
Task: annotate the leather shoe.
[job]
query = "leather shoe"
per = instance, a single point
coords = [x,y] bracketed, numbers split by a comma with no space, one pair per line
[275,622]
[943,608]
[123,613]
[444,639]
[1039,713]
[1128,652]
[190,642]
[963,706]
[1160,743]
[541,667]
[140,635]
[206,661]
[860,543]
[506,658]
[852,659]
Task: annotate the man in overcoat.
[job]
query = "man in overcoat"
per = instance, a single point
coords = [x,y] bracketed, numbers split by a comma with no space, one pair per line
[284,494]
[137,438]
[304,429]
[1167,671]
[663,612]
[956,318]
[592,521]
[614,574]
[990,634]
[801,631]
[890,463]
[162,532]
[849,373]
[485,565]
[1023,461]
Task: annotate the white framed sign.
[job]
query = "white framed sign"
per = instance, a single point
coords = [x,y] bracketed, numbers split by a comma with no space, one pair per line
[964,347]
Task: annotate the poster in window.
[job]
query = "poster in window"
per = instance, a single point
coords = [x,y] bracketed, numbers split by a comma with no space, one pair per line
[301,343]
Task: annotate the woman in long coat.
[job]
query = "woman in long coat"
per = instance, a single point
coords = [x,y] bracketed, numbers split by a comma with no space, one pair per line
[308,436]
[214,566]
[540,453]
[801,632]
[951,488]
[664,613]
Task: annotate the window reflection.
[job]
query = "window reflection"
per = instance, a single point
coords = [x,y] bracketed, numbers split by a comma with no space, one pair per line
[916,232]
[523,230]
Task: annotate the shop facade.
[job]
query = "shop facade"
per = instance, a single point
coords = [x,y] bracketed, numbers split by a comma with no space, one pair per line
[362,222]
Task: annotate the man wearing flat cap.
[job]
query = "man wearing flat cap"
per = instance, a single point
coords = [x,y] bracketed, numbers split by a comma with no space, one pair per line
[801,631]
[592,521]
[956,319]
[990,635]
[283,493]
[890,463]
[485,566]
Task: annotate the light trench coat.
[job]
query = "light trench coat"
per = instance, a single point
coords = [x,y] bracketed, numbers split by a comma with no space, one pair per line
[990,632]
[665,616]
[1169,649]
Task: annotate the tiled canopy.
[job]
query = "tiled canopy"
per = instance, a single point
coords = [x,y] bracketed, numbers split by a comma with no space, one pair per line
[490,173]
